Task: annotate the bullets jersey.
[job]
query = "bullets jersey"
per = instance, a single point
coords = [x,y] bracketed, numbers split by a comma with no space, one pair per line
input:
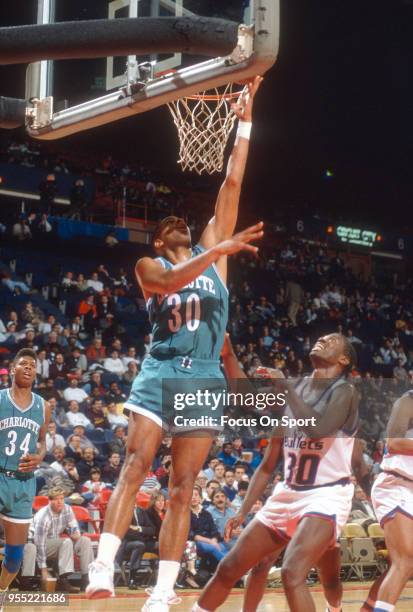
[315,462]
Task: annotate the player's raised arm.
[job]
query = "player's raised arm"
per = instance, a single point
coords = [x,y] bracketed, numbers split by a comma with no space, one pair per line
[154,278]
[223,223]
[400,419]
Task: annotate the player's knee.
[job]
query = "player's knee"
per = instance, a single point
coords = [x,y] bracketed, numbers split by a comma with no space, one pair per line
[227,571]
[404,566]
[13,557]
[263,567]
[180,492]
[291,576]
[136,466]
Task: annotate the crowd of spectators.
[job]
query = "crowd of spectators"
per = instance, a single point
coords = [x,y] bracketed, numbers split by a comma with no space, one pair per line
[137,186]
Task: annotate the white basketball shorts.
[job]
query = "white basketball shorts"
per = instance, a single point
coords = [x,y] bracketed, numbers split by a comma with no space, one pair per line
[285,508]
[391,494]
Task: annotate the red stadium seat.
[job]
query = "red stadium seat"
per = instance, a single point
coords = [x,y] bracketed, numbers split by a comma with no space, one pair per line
[142,499]
[82,514]
[39,502]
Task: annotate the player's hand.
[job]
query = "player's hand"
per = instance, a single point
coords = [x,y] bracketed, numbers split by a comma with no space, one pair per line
[240,241]
[272,373]
[28,463]
[226,347]
[45,573]
[243,107]
[233,525]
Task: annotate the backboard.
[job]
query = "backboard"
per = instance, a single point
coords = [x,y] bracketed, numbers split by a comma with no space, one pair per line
[72,95]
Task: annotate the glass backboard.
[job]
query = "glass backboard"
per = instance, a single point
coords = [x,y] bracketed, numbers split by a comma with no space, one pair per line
[75,84]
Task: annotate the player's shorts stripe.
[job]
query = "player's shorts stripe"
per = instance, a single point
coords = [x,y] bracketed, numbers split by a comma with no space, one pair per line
[392,514]
[146,413]
[12,519]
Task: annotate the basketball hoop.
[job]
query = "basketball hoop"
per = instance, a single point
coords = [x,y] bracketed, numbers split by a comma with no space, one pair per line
[204,122]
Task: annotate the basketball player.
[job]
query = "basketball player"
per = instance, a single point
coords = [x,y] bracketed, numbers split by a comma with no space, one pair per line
[329,566]
[307,511]
[392,498]
[24,417]
[187,301]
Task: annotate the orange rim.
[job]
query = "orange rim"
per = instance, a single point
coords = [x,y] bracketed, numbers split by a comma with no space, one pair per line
[202,96]
[216,97]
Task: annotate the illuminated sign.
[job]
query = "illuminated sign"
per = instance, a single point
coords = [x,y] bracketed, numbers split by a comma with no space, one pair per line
[352,235]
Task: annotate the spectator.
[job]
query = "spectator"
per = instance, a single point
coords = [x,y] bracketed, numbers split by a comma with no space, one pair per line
[361,508]
[58,370]
[114,417]
[118,444]
[58,453]
[86,464]
[115,394]
[74,392]
[211,487]
[229,489]
[131,373]
[95,485]
[49,525]
[96,415]
[21,230]
[53,439]
[74,447]
[203,530]
[220,511]
[131,356]
[219,473]
[210,470]
[114,365]
[96,352]
[42,365]
[239,498]
[226,455]
[112,468]
[75,417]
[294,296]
[94,283]
[48,191]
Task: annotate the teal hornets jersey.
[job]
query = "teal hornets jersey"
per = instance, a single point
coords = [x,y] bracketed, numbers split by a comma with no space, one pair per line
[19,429]
[192,321]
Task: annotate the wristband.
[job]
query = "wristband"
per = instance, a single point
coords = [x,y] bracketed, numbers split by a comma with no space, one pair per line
[244,130]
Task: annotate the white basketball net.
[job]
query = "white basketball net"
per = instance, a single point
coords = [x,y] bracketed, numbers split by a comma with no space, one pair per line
[204,123]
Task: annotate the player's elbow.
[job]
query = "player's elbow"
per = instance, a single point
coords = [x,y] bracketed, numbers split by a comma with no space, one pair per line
[233,181]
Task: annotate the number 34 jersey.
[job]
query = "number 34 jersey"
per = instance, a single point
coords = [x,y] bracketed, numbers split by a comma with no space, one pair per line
[318,462]
[192,321]
[19,429]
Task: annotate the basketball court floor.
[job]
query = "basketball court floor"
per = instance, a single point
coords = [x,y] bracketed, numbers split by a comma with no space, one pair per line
[274,601]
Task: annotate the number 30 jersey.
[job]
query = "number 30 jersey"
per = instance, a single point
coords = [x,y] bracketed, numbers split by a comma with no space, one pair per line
[19,429]
[312,462]
[192,321]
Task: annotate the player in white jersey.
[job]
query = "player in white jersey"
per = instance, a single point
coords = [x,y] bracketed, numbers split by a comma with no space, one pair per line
[392,497]
[306,512]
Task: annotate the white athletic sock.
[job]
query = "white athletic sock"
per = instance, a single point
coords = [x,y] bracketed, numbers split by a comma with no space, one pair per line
[382,606]
[167,575]
[197,608]
[108,547]
[333,609]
